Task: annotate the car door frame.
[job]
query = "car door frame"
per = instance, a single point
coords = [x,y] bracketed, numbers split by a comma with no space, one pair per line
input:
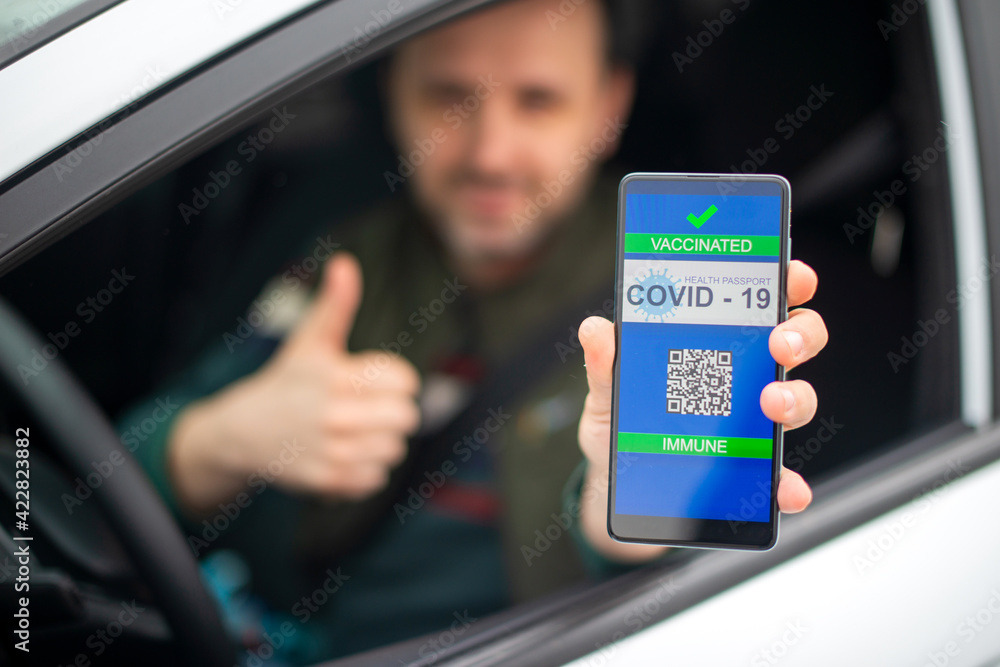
[179,120]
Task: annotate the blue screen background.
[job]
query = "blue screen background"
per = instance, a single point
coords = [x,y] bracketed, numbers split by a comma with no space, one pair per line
[697,487]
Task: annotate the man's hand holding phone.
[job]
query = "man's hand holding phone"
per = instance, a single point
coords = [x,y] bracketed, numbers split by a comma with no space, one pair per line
[791,403]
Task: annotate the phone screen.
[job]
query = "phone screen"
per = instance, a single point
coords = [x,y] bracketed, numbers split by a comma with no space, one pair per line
[700,287]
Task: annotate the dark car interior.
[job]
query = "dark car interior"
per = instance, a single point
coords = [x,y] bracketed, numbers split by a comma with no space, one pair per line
[880,276]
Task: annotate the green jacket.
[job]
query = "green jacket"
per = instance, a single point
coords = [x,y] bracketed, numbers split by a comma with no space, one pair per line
[413,303]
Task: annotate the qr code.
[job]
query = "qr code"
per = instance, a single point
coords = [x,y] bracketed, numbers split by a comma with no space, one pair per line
[700,382]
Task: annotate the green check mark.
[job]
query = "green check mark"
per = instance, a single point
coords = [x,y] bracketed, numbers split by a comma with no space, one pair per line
[698,221]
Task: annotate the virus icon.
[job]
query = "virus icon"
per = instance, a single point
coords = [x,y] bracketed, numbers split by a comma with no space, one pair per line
[657,290]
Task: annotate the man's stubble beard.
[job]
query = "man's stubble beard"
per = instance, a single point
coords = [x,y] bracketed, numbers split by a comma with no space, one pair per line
[527,237]
[466,245]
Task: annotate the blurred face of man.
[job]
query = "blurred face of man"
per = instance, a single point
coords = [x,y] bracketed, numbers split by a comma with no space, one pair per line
[506,109]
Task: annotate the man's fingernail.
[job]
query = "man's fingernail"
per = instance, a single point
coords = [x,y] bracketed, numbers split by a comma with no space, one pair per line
[794,340]
[789,399]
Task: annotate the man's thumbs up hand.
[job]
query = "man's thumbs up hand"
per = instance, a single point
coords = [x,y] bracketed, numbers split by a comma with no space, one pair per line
[330,318]
[334,422]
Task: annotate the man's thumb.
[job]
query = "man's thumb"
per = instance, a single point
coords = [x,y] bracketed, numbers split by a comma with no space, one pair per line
[336,302]
[597,336]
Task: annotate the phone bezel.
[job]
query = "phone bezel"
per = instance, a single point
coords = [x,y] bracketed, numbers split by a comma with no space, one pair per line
[677,531]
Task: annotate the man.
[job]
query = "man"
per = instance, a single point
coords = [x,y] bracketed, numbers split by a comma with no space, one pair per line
[509,227]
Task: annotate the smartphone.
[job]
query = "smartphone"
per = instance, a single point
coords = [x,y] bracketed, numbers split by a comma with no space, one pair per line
[700,283]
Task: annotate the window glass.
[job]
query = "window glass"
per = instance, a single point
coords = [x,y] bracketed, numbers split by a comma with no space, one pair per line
[473,176]
[21,19]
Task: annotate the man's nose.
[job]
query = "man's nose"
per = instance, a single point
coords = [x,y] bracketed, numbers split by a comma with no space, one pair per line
[494,139]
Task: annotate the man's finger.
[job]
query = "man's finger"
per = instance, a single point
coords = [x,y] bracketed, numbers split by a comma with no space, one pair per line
[331,316]
[375,371]
[799,338]
[791,403]
[802,282]
[794,495]
[362,480]
[383,447]
[383,411]
[597,336]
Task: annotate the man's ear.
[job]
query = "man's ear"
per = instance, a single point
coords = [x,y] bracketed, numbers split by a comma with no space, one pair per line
[618,105]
